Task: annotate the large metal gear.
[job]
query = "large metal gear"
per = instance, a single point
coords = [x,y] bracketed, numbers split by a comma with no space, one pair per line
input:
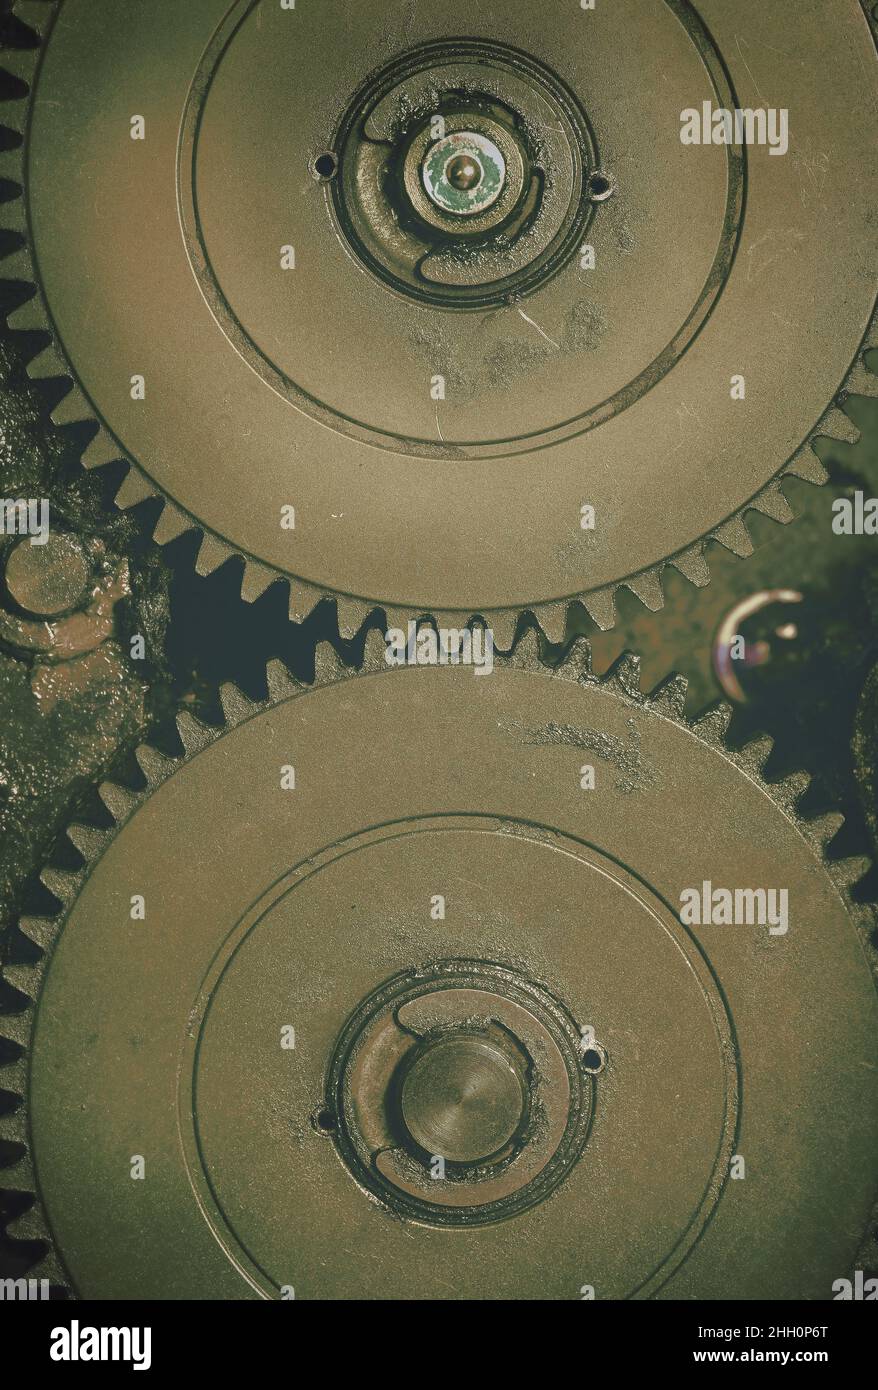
[436,944]
[430,198]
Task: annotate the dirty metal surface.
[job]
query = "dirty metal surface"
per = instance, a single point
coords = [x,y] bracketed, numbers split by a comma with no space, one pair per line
[300,906]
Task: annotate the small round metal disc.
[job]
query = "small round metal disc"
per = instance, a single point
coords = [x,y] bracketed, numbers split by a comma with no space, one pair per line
[462,1099]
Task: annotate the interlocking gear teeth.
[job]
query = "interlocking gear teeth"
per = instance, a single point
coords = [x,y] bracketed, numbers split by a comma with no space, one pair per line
[172,522]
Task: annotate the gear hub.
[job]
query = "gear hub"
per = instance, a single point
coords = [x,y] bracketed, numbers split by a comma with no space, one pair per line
[462,174]
[460,1093]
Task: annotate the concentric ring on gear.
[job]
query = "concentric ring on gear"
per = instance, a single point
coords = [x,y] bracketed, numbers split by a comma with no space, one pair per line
[404,1183]
[410,94]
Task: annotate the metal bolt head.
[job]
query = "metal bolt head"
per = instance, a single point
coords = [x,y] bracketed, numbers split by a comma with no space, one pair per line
[464,173]
[463,1098]
[48,579]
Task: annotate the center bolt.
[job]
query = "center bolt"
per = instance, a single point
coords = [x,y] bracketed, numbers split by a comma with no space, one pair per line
[463,1097]
[464,173]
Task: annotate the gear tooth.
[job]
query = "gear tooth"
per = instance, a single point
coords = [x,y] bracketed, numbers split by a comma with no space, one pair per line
[11,160]
[235,704]
[28,1226]
[791,789]
[526,652]
[36,14]
[255,580]
[734,536]
[398,618]
[14,219]
[59,881]
[16,1029]
[553,620]
[301,602]
[172,523]
[19,62]
[374,651]
[19,1173]
[713,724]
[328,665]
[22,977]
[154,765]
[194,734]
[13,1126]
[15,1082]
[280,683]
[806,465]
[577,659]
[648,588]
[17,264]
[503,626]
[601,608]
[28,317]
[669,696]
[756,752]
[101,450]
[119,801]
[41,930]
[823,829]
[134,488]
[212,551]
[847,872]
[771,502]
[836,425]
[693,566]
[625,673]
[861,382]
[71,408]
[46,364]
[351,616]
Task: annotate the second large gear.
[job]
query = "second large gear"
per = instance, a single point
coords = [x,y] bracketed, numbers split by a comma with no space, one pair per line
[380,995]
[345,278]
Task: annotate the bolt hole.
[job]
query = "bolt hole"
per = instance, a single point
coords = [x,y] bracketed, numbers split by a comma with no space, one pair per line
[326,166]
[324,1121]
[599,186]
[593,1060]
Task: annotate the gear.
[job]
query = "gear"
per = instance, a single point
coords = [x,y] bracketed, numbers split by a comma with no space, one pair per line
[413,1009]
[284,301]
